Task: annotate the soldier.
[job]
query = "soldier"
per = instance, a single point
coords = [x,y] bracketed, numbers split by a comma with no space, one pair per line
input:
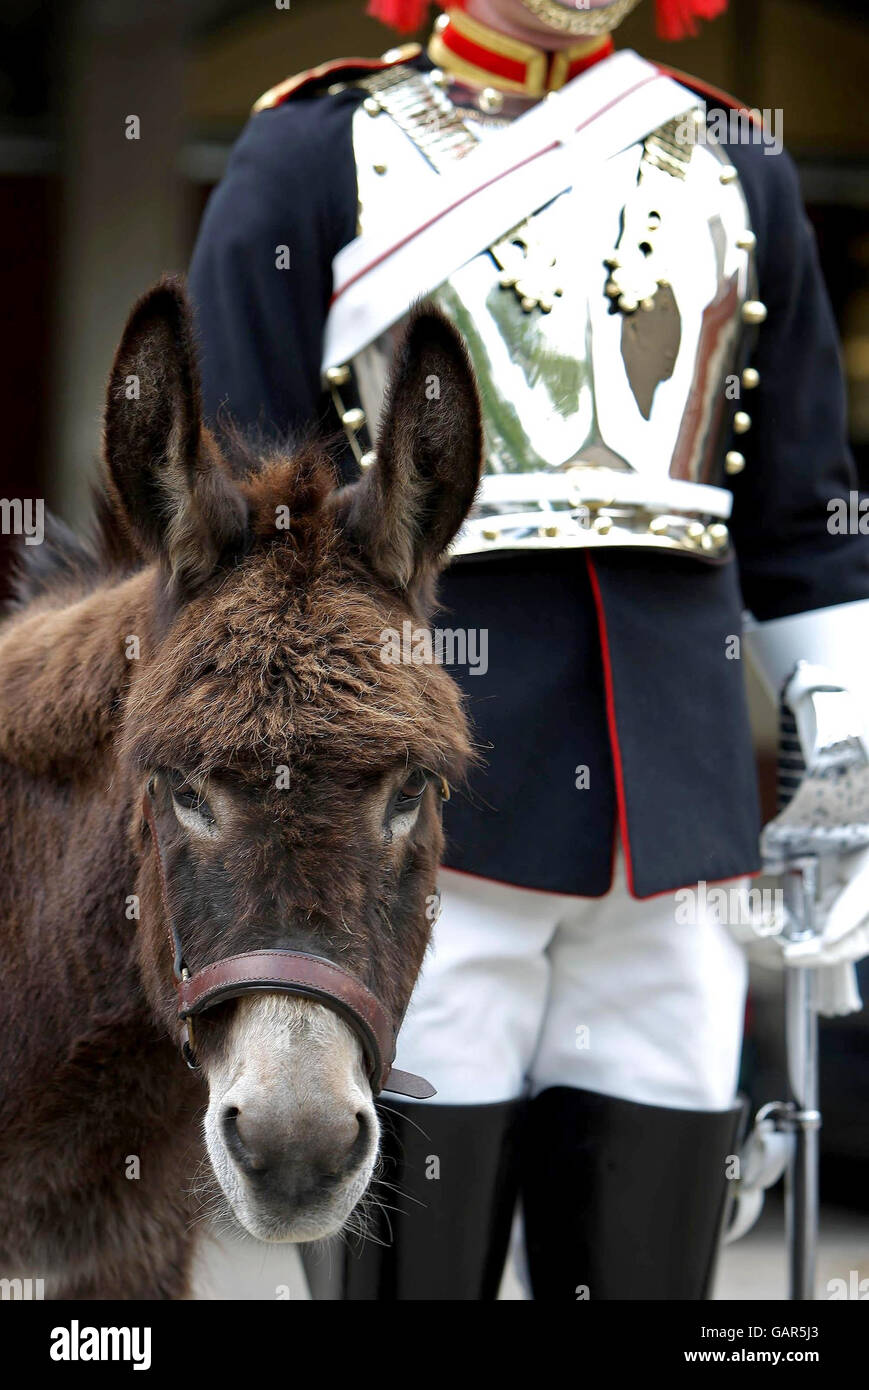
[631,266]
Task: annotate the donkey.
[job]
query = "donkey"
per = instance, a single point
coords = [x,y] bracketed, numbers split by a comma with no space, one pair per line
[216,649]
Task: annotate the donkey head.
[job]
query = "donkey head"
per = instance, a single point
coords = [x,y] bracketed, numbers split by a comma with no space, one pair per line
[294,770]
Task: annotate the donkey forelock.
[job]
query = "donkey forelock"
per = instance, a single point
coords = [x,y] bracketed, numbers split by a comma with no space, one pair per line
[280,660]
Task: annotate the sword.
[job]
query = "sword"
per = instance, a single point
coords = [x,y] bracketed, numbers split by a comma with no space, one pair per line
[823,813]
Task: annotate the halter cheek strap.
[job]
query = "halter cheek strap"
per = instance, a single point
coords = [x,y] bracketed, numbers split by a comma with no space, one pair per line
[288,972]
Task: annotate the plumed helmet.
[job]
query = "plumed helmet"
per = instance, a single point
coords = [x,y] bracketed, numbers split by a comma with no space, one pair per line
[676,19]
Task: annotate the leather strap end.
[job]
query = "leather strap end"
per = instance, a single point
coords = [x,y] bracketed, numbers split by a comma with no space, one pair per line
[404,1083]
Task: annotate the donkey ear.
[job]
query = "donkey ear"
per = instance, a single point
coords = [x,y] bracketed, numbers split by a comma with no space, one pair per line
[176,495]
[409,506]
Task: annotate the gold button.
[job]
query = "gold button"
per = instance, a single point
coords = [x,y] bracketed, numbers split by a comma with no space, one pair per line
[728,175]
[602,524]
[491,101]
[746,241]
[718,534]
[550,531]
[379,168]
[659,525]
[372,106]
[353,419]
[337,376]
[734,461]
[367,459]
[491,535]
[695,530]
[750,378]
[741,422]
[753,311]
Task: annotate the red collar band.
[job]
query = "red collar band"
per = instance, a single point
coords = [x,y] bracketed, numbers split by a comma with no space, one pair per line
[481,56]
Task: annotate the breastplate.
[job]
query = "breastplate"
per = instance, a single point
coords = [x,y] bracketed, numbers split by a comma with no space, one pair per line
[608,330]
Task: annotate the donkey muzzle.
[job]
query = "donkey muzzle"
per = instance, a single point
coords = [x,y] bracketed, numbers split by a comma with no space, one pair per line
[312,977]
[287,972]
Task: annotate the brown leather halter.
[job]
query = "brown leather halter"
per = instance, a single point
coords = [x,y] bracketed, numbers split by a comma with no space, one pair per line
[287,972]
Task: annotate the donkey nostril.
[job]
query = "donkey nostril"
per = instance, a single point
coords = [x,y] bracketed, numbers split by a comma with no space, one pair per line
[234,1141]
[228,1125]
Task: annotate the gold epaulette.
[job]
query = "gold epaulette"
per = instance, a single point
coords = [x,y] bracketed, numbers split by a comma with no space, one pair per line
[339,69]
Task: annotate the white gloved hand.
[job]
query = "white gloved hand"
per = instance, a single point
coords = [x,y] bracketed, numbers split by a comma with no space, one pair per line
[810,656]
[844,939]
[844,913]
[826,822]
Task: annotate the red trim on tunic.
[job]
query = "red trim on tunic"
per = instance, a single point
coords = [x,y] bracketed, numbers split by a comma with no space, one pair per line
[525,888]
[707,90]
[292,86]
[596,897]
[618,766]
[618,769]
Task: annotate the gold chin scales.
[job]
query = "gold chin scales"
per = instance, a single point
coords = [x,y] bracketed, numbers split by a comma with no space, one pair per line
[570,21]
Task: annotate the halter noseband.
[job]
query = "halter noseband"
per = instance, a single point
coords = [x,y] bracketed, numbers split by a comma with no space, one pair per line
[287,972]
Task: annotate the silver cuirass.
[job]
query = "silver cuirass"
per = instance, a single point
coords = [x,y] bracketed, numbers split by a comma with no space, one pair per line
[609,330]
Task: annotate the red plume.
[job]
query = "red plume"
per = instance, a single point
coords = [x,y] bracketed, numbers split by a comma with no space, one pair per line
[677,19]
[403,15]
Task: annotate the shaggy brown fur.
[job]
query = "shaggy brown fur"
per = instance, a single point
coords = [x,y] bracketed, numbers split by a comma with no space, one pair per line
[259,648]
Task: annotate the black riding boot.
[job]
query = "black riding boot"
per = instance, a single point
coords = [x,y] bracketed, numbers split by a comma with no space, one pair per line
[621,1200]
[449,1182]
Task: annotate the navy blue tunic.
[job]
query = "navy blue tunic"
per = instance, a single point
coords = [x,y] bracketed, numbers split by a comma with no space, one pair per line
[618,665]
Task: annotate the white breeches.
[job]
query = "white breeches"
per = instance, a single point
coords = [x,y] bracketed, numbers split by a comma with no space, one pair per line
[526,990]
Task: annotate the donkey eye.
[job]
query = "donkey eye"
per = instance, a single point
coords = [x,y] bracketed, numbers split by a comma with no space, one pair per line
[411,789]
[405,804]
[189,799]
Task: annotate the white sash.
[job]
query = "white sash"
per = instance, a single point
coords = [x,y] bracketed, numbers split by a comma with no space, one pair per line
[602,111]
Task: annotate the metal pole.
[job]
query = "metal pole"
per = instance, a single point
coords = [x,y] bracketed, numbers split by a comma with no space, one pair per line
[801,1185]
[801,1031]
